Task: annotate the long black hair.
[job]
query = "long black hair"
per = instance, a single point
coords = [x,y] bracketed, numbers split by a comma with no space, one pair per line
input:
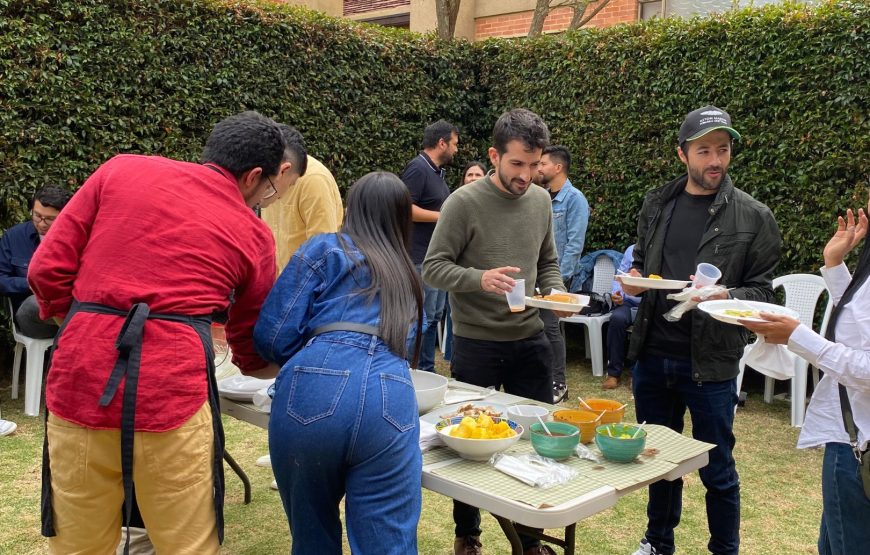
[378,220]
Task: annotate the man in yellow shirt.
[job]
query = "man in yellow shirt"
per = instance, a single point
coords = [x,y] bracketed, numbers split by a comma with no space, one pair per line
[311,206]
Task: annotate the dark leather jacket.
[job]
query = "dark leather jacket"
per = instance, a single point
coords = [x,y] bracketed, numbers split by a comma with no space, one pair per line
[742,239]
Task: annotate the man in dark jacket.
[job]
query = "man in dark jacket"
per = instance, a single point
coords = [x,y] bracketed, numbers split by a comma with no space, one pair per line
[692,363]
[17,246]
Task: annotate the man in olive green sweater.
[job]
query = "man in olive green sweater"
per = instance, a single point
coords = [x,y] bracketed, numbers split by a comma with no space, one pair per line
[490,233]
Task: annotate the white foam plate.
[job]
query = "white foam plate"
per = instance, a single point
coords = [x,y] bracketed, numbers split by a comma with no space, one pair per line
[438,413]
[242,388]
[717,309]
[650,283]
[582,300]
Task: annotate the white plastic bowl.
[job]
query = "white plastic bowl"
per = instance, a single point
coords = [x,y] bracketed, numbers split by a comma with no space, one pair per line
[477,449]
[526,415]
[430,389]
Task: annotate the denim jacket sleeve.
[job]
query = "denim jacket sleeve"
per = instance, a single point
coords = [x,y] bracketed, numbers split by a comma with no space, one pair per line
[577,219]
[282,327]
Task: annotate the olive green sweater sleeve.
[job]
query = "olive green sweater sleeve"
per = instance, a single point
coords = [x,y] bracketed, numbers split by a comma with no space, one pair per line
[480,228]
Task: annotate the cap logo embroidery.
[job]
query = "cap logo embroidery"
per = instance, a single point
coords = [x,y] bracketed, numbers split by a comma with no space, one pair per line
[711,113]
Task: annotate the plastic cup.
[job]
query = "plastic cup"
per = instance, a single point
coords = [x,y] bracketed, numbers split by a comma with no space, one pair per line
[516,297]
[706,274]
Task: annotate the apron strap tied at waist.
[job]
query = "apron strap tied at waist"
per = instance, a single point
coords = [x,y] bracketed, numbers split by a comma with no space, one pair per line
[129,345]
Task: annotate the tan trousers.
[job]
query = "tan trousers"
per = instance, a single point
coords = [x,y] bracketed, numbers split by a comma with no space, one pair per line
[174,488]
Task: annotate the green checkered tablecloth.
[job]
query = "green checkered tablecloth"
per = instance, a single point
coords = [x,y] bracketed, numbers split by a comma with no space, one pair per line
[669,449]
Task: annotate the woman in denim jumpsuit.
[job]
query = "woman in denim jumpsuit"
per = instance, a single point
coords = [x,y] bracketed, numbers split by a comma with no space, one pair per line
[344,418]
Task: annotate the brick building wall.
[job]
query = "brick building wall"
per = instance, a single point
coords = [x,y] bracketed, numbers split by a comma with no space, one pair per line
[517,24]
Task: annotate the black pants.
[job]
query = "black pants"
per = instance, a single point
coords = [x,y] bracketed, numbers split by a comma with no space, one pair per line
[557,344]
[521,367]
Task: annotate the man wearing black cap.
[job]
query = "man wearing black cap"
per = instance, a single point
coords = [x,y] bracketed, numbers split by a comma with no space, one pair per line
[693,363]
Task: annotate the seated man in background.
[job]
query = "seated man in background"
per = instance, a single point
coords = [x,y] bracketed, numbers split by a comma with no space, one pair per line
[17,246]
[621,317]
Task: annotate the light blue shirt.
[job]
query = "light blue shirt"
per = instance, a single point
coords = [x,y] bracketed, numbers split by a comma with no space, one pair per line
[570,219]
[624,267]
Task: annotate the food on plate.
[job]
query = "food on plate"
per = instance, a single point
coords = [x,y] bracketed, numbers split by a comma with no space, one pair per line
[469,409]
[558,298]
[482,427]
[741,313]
[654,276]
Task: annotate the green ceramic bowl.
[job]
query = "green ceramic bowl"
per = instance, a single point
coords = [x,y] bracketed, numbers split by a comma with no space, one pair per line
[616,448]
[558,446]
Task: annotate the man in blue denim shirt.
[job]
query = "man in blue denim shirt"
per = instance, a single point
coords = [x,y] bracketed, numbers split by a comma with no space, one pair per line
[17,246]
[570,219]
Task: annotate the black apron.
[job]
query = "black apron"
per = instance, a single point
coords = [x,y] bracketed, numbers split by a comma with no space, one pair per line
[129,345]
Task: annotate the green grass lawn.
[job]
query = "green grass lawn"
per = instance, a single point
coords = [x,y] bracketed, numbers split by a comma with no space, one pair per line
[781,501]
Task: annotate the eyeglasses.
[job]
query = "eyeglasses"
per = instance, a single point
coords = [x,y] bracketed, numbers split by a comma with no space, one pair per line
[37,218]
[273,192]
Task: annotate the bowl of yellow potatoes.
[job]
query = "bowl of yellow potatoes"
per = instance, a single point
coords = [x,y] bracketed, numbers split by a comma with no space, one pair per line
[478,439]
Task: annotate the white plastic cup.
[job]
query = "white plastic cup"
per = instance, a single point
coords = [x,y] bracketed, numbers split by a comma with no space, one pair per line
[516,297]
[706,274]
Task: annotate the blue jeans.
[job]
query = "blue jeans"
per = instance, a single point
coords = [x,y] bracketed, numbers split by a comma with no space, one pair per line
[845,508]
[434,301]
[448,333]
[663,389]
[344,424]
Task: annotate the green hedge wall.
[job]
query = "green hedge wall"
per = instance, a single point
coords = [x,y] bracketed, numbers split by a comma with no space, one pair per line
[795,81]
[82,80]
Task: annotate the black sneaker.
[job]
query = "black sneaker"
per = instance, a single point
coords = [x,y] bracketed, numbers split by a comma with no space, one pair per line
[560,391]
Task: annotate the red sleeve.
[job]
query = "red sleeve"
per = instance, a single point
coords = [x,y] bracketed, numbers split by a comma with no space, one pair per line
[249,298]
[55,264]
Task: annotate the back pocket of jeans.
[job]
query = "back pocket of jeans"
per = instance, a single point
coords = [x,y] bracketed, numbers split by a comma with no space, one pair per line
[400,409]
[315,393]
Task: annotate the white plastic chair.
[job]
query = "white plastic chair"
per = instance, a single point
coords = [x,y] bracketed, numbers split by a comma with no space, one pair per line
[802,292]
[33,368]
[602,282]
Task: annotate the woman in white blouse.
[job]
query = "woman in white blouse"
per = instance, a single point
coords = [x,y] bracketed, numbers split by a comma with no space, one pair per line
[844,356]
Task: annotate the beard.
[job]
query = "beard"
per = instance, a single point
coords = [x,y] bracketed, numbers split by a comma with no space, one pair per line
[515,187]
[708,184]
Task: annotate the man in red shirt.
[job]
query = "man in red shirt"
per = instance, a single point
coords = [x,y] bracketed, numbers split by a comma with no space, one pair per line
[141,260]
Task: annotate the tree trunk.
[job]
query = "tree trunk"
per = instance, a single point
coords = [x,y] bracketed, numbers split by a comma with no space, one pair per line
[445,14]
[542,8]
[580,11]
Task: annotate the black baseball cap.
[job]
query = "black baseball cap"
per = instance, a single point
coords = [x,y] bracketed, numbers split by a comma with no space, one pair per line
[703,120]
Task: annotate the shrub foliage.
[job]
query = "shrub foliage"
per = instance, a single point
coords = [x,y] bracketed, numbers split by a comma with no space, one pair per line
[82,80]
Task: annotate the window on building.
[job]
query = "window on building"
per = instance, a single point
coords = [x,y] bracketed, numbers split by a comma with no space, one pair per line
[402,20]
[648,9]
